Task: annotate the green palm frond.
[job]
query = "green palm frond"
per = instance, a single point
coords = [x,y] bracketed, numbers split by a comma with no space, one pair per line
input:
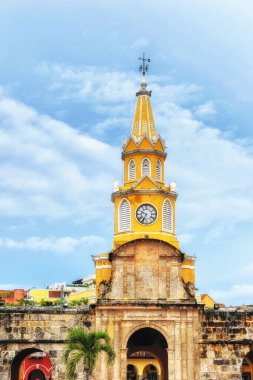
[86,346]
[109,351]
[74,358]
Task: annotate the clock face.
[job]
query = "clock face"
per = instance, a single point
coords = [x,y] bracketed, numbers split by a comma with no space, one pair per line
[146,214]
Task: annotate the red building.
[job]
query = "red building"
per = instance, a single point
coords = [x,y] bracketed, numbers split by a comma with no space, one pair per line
[12,296]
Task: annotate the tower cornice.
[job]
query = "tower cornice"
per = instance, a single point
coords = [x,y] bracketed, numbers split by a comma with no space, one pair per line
[123,193]
[144,151]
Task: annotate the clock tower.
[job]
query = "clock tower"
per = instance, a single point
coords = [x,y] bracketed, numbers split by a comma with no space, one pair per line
[144,206]
[146,285]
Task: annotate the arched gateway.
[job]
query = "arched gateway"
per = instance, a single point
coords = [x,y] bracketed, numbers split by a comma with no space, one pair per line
[147,351]
[31,364]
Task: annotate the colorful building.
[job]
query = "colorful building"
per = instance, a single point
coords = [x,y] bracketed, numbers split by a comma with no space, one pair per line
[81,289]
[12,296]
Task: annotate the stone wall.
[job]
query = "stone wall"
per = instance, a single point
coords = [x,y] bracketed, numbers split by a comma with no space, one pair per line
[227,336]
[215,341]
[41,328]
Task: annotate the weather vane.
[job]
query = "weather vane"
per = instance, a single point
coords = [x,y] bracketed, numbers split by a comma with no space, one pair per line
[144,66]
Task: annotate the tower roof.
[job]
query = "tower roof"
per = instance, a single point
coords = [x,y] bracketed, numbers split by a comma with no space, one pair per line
[143,124]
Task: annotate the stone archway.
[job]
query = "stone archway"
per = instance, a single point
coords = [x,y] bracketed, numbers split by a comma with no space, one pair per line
[31,364]
[247,367]
[148,347]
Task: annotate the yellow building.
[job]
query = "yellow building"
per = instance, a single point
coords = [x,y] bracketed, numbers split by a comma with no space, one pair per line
[85,289]
[48,295]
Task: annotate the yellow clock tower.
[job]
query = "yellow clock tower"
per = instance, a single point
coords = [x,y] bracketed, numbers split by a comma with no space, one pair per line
[144,207]
[145,286]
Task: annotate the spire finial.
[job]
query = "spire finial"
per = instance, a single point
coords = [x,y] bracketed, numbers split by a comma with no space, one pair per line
[144,66]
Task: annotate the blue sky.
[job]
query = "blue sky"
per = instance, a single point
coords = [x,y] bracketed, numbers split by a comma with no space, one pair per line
[69,73]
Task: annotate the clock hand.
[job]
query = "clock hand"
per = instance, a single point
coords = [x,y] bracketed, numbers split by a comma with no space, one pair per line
[143,217]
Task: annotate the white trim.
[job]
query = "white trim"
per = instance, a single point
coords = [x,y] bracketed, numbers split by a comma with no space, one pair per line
[160,170]
[129,172]
[187,267]
[103,266]
[151,179]
[140,119]
[38,366]
[142,233]
[148,121]
[170,214]
[146,174]
[141,138]
[100,258]
[128,222]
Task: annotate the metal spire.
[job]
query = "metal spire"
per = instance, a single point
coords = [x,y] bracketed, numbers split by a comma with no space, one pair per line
[144,66]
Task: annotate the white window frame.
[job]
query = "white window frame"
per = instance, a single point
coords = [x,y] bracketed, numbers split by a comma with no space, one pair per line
[160,170]
[149,174]
[130,178]
[170,222]
[128,222]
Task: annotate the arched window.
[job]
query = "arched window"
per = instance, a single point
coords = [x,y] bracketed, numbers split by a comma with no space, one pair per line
[131,170]
[124,216]
[145,167]
[167,216]
[158,170]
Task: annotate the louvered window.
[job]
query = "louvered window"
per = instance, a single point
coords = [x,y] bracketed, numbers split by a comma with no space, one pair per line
[124,216]
[131,169]
[167,216]
[158,170]
[145,167]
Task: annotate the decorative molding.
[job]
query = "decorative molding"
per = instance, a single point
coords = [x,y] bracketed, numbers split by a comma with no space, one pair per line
[143,151]
[100,258]
[188,267]
[123,193]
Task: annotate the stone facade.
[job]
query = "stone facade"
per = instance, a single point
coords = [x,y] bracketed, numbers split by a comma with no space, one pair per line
[227,337]
[41,328]
[202,344]
[146,298]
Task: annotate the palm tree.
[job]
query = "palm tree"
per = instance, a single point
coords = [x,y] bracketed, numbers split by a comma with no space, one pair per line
[86,346]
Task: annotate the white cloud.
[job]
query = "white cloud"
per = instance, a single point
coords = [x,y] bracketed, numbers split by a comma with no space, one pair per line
[53,244]
[89,83]
[242,293]
[107,88]
[49,169]
[115,122]
[211,169]
[206,109]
